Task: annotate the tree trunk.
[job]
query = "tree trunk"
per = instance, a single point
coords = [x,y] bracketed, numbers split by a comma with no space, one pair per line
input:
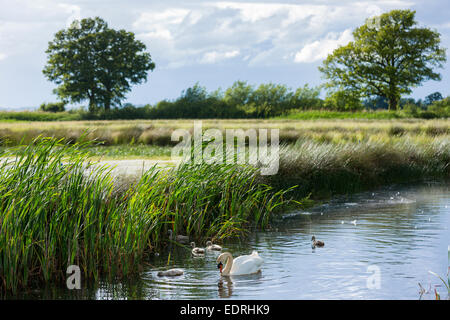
[107,105]
[91,104]
[392,103]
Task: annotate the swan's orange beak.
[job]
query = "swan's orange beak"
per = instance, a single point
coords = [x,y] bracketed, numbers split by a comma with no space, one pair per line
[220,266]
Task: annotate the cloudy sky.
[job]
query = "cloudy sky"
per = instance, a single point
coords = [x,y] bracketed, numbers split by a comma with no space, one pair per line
[212,42]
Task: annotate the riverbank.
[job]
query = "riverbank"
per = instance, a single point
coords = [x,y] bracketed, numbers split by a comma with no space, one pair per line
[322,170]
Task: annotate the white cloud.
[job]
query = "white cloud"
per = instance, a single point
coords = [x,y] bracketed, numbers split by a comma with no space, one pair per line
[159,24]
[2,56]
[319,49]
[73,11]
[26,26]
[262,33]
[252,12]
[214,56]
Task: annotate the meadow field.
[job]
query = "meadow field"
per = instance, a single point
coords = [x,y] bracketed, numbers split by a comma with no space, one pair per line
[158,132]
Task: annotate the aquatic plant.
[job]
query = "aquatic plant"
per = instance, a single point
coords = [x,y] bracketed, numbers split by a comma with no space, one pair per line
[446,283]
[202,200]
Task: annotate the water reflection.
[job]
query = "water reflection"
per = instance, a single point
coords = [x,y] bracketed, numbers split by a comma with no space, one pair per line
[225,287]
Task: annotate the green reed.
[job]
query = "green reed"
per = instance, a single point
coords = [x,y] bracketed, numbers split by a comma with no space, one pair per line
[58,209]
[201,200]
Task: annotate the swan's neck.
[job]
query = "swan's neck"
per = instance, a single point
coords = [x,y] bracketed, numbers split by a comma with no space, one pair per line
[228,265]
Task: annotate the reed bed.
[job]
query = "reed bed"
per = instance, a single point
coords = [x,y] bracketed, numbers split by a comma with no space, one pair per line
[57,209]
[52,214]
[324,168]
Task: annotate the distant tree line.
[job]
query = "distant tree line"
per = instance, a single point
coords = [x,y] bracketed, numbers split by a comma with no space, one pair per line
[243,100]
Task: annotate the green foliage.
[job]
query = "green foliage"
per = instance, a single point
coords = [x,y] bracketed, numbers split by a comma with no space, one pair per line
[39,116]
[435,96]
[53,107]
[388,56]
[441,107]
[307,98]
[89,61]
[239,94]
[194,103]
[271,100]
[411,109]
[343,101]
[241,100]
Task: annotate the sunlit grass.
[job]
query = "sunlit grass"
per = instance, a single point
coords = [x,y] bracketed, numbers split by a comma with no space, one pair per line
[158,132]
[326,168]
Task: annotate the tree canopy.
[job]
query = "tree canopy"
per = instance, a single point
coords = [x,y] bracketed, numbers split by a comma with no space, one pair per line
[389,56]
[89,61]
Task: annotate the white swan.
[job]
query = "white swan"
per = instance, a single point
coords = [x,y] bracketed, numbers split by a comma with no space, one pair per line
[241,265]
[213,247]
[170,273]
[197,251]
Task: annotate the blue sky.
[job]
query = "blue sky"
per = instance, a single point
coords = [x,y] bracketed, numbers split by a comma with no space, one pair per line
[212,42]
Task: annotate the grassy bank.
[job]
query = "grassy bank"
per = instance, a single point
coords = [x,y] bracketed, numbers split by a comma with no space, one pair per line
[292,115]
[38,116]
[57,210]
[325,169]
[324,114]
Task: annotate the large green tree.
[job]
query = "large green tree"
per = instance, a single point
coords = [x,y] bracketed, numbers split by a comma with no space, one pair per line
[89,61]
[390,54]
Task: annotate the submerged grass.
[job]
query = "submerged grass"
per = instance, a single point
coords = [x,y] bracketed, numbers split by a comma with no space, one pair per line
[56,209]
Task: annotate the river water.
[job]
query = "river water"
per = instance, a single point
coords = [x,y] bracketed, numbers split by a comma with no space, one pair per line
[378,245]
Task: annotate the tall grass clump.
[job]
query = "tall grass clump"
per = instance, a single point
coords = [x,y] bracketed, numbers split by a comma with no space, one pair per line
[57,210]
[204,200]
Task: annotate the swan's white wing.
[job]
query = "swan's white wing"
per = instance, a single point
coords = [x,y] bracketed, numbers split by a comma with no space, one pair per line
[246,264]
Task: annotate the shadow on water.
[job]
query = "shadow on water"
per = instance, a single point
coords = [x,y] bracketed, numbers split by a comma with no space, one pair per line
[378,245]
